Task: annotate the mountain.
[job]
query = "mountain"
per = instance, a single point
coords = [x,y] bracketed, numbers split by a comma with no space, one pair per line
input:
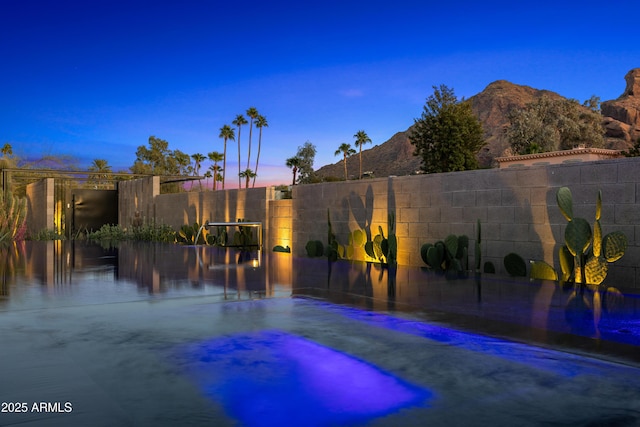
[621,119]
[622,115]
[492,107]
[394,157]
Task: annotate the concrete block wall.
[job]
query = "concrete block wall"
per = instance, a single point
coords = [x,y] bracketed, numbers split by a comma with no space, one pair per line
[516,207]
[136,198]
[280,224]
[40,206]
[250,204]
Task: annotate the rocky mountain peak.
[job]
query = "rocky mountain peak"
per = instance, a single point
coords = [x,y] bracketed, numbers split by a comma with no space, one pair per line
[622,115]
[633,83]
[621,119]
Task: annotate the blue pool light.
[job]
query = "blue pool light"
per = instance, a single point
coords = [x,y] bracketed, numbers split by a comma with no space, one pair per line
[272,378]
[520,353]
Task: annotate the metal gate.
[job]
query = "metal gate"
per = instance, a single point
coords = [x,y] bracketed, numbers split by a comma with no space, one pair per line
[92,209]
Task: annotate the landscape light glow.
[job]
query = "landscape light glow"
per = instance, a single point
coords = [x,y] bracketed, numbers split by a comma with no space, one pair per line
[275,378]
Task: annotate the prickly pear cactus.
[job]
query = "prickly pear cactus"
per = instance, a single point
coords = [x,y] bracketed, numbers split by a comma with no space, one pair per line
[450,255]
[478,251]
[586,255]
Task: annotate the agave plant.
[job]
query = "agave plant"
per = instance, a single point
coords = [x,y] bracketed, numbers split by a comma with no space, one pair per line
[13,217]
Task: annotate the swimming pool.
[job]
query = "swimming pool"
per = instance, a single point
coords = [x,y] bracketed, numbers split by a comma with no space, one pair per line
[128,343]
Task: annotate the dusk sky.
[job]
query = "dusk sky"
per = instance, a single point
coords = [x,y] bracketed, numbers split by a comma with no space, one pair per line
[94,79]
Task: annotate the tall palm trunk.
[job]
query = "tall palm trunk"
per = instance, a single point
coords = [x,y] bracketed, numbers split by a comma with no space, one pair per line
[224,164]
[257,157]
[249,148]
[345,167]
[239,181]
[360,177]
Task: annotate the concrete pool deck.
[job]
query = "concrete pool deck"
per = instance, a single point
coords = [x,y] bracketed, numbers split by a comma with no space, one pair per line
[121,363]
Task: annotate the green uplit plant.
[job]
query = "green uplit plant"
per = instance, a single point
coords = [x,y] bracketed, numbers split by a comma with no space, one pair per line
[585,256]
[243,237]
[13,217]
[188,234]
[314,248]
[449,255]
[515,265]
[478,251]
[384,249]
[45,235]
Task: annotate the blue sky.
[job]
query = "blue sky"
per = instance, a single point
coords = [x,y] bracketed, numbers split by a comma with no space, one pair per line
[94,79]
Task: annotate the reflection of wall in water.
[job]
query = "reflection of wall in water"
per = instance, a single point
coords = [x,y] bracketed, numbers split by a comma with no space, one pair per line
[159,267]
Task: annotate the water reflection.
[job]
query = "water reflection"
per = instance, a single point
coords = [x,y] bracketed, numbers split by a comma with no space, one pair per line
[68,268]
[37,274]
[541,311]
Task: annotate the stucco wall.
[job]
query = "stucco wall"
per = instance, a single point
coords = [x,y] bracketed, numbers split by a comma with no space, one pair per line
[516,207]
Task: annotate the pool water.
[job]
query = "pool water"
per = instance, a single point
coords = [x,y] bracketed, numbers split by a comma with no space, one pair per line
[147,344]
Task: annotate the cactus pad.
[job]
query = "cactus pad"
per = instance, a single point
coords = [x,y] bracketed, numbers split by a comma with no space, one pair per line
[565,202]
[615,244]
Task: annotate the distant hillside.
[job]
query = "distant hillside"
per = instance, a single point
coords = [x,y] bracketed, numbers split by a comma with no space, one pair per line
[621,119]
[492,107]
[394,157]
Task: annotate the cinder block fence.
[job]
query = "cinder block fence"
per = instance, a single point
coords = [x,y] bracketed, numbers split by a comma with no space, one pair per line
[516,207]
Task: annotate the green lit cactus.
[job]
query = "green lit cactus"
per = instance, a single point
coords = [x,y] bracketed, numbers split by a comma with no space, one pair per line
[384,249]
[314,248]
[515,265]
[585,256]
[450,255]
[478,251]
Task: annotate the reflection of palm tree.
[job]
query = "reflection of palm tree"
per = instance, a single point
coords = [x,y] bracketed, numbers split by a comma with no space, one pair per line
[215,157]
[261,122]
[252,113]
[361,139]
[101,171]
[293,163]
[346,150]
[239,121]
[227,133]
[247,174]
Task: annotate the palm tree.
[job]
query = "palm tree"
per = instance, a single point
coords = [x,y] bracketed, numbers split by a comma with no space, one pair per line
[226,132]
[7,150]
[252,113]
[215,157]
[247,174]
[293,163]
[361,139]
[346,150]
[217,177]
[208,175]
[239,121]
[101,171]
[261,122]
[197,163]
